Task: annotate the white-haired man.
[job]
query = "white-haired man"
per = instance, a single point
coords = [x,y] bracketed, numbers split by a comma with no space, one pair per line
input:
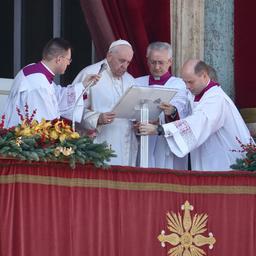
[159,57]
[115,80]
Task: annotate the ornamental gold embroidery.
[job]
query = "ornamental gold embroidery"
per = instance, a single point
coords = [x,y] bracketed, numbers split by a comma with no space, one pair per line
[185,236]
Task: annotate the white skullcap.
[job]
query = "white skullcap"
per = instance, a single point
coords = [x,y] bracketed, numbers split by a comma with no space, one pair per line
[119,42]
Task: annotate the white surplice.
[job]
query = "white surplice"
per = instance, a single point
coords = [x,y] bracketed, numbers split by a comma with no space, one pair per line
[102,98]
[48,99]
[209,133]
[159,153]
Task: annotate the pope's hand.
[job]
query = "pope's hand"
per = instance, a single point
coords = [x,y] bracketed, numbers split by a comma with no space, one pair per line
[91,80]
[106,118]
[148,129]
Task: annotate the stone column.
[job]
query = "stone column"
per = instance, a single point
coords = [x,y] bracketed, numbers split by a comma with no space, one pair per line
[187,35]
[219,41]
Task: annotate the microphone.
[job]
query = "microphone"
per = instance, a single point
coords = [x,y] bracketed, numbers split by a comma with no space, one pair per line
[103,67]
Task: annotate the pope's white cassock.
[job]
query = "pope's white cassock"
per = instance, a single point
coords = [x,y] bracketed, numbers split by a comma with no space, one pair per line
[209,133]
[33,86]
[159,153]
[102,98]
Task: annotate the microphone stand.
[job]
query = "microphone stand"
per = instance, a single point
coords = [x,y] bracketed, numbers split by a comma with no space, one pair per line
[78,99]
[90,84]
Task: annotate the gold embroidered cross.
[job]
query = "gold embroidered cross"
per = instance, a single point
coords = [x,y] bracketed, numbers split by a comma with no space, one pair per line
[186,233]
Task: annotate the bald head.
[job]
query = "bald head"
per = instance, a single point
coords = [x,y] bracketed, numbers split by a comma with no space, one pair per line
[189,66]
[195,74]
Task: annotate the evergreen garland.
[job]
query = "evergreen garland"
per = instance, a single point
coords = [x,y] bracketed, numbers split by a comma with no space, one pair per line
[249,162]
[51,141]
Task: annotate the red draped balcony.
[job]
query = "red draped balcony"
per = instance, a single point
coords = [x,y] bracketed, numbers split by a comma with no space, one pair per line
[50,209]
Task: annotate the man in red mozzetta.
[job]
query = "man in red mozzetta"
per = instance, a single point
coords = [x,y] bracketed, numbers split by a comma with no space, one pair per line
[159,58]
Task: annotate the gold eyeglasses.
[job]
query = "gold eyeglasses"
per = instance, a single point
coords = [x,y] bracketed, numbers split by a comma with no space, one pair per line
[69,60]
[157,62]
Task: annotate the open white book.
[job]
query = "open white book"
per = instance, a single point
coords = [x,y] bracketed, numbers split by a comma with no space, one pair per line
[130,103]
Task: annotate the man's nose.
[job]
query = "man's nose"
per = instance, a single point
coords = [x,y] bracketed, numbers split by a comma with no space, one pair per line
[157,65]
[125,65]
[187,86]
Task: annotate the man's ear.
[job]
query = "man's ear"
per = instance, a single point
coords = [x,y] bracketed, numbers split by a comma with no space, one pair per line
[205,76]
[109,56]
[170,61]
[58,59]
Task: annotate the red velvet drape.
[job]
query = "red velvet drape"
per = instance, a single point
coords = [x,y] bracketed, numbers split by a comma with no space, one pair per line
[49,209]
[139,22]
[245,54]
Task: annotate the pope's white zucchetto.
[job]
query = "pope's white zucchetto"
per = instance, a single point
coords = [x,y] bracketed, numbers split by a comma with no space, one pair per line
[119,42]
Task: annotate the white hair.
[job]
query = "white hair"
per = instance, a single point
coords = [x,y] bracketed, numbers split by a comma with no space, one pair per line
[160,46]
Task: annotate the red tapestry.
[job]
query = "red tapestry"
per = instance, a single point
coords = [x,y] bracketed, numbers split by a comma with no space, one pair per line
[244,54]
[140,22]
[49,209]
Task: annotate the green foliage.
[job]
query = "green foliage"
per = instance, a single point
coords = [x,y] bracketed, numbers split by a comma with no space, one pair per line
[249,162]
[80,150]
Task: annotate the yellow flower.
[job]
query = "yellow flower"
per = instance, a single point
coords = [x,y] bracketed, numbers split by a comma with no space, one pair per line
[59,130]
[25,132]
[57,126]
[17,130]
[75,135]
[62,137]
[54,135]
[43,125]
[47,125]
[34,123]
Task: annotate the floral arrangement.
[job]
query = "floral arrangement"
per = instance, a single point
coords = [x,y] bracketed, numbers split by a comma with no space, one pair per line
[249,162]
[50,140]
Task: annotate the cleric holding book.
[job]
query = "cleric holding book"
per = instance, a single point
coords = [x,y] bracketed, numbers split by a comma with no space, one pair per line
[99,118]
[159,59]
[211,127]
[34,86]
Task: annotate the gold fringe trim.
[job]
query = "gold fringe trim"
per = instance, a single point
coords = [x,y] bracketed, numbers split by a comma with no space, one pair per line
[122,185]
